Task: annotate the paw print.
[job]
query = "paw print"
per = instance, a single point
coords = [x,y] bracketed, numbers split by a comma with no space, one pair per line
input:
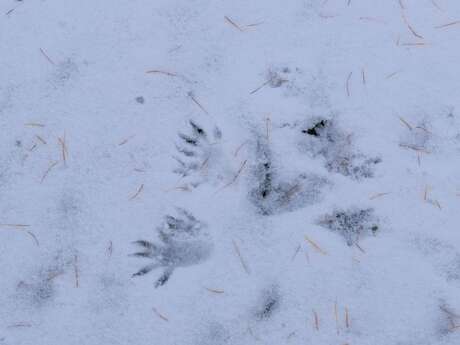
[196,153]
[182,242]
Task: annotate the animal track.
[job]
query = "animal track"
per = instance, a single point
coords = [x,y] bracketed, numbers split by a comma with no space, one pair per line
[324,139]
[183,243]
[274,195]
[196,154]
[351,224]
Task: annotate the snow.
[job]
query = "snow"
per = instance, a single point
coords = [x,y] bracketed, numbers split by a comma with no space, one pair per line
[273,237]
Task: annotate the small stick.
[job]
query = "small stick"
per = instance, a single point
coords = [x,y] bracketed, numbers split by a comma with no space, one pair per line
[156,71]
[77,273]
[405,122]
[448,24]
[161,316]
[197,103]
[47,57]
[218,291]
[258,88]
[237,174]
[233,23]
[315,315]
[348,84]
[139,190]
[48,171]
[243,263]
[314,245]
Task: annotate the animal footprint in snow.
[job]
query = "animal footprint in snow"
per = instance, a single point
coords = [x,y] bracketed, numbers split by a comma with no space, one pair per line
[182,242]
[198,153]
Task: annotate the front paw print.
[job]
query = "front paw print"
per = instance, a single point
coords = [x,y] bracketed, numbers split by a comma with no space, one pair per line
[183,242]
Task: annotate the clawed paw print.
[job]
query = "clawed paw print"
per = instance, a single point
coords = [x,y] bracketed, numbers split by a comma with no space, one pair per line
[182,242]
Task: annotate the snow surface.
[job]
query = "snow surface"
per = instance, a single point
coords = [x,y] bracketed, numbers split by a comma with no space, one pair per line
[348,235]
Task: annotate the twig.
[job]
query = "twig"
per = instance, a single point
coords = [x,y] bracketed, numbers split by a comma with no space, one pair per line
[231,22]
[48,171]
[314,245]
[139,190]
[161,316]
[243,263]
[47,57]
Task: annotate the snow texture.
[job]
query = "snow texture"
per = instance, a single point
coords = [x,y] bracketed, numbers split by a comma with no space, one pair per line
[197,172]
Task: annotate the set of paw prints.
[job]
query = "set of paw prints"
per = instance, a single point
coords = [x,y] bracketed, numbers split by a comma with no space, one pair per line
[182,238]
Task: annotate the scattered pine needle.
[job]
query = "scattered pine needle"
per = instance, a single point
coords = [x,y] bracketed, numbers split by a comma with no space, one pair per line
[190,94]
[258,88]
[156,71]
[9,225]
[43,141]
[425,193]
[336,315]
[296,252]
[243,263]
[47,57]
[110,249]
[76,271]
[232,23]
[64,150]
[237,174]
[316,318]
[363,74]
[314,245]
[391,75]
[20,325]
[139,190]
[405,123]
[161,316]
[378,195]
[447,25]
[52,165]
[401,5]
[33,124]
[347,318]
[411,29]
[254,24]
[124,141]
[218,291]
[437,6]
[360,248]
[239,148]
[347,85]
[413,44]
[415,148]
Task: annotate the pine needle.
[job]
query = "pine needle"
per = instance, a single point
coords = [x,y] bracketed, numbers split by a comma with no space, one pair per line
[315,246]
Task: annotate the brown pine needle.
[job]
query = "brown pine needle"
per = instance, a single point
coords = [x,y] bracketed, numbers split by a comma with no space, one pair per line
[237,174]
[258,88]
[19,227]
[348,83]
[407,124]
[232,23]
[33,124]
[314,245]
[197,103]
[47,57]
[336,315]
[161,316]
[9,225]
[64,151]
[218,291]
[316,318]
[448,24]
[43,141]
[243,263]
[48,171]
[156,71]
[76,271]
[124,141]
[378,195]
[411,29]
[347,318]
[139,190]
